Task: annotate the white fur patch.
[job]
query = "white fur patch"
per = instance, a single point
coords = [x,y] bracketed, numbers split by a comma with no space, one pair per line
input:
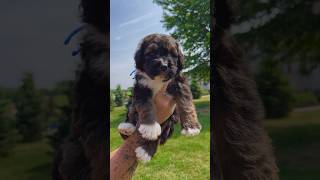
[190,131]
[150,132]
[142,155]
[126,128]
[155,84]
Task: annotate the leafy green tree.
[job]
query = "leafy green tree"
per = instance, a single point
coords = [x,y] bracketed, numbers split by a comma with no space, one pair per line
[28,102]
[274,89]
[119,98]
[8,131]
[195,89]
[286,30]
[189,21]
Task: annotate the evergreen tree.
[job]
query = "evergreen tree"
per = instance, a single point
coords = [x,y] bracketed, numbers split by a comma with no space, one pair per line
[112,104]
[118,100]
[28,102]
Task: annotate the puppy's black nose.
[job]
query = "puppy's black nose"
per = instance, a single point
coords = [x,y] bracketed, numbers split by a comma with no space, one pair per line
[164,68]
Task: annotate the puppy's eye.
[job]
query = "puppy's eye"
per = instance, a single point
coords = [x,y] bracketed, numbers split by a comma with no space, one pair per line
[150,55]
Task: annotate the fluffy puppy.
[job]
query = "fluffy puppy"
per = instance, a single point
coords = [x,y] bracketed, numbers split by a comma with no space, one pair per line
[159,61]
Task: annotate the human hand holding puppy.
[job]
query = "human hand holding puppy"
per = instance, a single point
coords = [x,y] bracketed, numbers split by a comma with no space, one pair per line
[164,104]
[123,160]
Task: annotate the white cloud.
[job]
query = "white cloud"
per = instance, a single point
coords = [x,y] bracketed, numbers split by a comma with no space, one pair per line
[137,19]
[144,28]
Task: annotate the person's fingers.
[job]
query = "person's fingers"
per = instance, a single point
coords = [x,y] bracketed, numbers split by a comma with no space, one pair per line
[172,102]
[165,104]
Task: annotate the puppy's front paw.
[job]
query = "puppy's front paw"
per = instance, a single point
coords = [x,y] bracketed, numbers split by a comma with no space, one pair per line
[150,132]
[126,128]
[190,131]
[142,155]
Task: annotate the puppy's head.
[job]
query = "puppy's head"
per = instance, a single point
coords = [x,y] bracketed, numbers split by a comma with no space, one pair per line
[159,55]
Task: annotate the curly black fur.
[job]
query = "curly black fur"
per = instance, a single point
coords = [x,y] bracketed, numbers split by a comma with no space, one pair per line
[82,156]
[242,147]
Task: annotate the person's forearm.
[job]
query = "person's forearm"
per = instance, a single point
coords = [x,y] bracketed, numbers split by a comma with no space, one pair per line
[123,161]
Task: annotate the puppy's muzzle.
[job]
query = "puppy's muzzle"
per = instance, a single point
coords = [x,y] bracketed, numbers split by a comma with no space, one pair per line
[164,68]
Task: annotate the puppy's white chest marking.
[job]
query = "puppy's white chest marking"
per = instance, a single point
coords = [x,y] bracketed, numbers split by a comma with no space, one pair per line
[155,84]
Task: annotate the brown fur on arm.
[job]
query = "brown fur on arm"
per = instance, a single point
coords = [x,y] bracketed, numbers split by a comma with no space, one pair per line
[185,108]
[242,147]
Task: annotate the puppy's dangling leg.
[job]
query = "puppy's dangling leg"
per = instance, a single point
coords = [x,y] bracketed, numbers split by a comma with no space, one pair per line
[186,109]
[147,149]
[129,126]
[189,120]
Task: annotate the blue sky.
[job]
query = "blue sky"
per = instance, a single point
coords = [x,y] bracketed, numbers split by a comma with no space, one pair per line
[131,20]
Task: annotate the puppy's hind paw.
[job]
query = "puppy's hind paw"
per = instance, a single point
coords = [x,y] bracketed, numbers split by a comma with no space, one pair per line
[190,131]
[142,155]
[126,128]
[150,132]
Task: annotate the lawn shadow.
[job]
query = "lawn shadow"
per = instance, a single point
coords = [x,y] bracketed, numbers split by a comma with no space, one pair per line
[297,151]
[40,171]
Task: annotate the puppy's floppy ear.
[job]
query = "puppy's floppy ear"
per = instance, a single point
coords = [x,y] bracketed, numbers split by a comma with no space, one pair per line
[138,57]
[180,58]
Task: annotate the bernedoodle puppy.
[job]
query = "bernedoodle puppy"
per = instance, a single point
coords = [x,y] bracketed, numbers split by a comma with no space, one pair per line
[159,62]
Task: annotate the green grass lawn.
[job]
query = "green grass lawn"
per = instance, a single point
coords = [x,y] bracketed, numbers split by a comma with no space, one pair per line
[181,157]
[27,161]
[296,141]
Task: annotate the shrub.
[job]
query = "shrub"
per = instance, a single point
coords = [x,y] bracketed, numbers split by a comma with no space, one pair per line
[195,89]
[112,104]
[29,110]
[274,89]
[304,99]
[59,128]
[8,132]
[317,94]
[204,92]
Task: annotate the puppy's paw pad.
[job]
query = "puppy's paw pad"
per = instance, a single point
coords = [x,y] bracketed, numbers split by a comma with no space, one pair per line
[150,132]
[142,155]
[190,131]
[126,128]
